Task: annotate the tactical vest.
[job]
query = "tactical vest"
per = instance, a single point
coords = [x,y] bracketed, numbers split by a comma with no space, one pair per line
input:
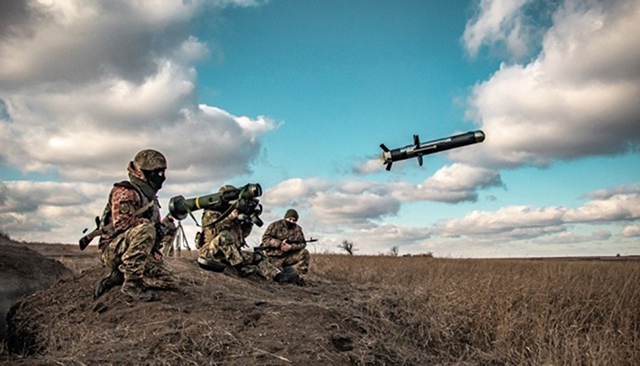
[107,217]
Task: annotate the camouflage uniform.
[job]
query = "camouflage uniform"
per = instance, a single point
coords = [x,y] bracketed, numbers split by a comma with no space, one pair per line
[170,230]
[129,249]
[297,256]
[223,242]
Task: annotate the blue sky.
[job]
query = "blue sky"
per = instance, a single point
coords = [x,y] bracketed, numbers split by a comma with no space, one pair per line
[343,73]
[297,96]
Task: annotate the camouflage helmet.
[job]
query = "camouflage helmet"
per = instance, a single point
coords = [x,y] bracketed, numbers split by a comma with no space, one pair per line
[150,160]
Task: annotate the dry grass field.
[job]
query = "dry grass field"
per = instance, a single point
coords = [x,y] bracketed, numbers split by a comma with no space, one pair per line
[516,312]
[355,310]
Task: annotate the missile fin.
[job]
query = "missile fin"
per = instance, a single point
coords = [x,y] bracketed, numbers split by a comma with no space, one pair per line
[384,147]
[416,141]
[419,160]
[389,166]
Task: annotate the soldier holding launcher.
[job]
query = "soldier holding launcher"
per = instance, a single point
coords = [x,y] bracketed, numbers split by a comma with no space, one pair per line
[222,242]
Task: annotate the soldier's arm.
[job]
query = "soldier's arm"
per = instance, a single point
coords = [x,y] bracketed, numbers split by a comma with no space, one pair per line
[124,203]
[269,239]
[246,229]
[226,222]
[297,240]
[209,231]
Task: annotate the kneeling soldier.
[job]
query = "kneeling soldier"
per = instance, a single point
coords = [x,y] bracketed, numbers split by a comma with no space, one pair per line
[222,242]
[130,247]
[284,243]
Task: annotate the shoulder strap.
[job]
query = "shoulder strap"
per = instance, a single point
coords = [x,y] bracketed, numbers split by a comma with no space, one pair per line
[223,216]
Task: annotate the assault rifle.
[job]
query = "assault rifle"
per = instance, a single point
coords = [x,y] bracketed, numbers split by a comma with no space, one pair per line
[311,240]
[100,228]
[261,248]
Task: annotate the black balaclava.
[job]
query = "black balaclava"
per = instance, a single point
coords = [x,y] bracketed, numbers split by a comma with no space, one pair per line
[155,178]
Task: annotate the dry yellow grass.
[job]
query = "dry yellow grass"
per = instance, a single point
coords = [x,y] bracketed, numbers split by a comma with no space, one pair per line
[515,312]
[355,310]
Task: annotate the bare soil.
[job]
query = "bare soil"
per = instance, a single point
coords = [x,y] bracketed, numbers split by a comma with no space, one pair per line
[214,318]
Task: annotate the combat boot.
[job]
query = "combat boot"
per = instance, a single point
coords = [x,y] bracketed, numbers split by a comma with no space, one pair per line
[288,275]
[115,278]
[246,270]
[298,280]
[136,290]
[210,265]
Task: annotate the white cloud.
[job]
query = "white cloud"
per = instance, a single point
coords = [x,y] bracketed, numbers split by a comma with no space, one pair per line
[79,101]
[85,85]
[610,192]
[368,239]
[362,200]
[294,192]
[513,222]
[630,231]
[49,211]
[453,183]
[616,208]
[344,208]
[368,167]
[354,209]
[498,22]
[82,41]
[520,222]
[568,237]
[348,201]
[378,239]
[577,98]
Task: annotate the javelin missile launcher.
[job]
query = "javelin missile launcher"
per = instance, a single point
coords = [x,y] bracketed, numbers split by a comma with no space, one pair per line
[418,149]
[244,199]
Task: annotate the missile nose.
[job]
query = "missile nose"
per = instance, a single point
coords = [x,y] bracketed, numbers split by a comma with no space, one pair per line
[479,135]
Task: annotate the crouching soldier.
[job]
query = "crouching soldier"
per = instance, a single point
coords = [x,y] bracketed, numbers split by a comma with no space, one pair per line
[284,243]
[131,248]
[221,245]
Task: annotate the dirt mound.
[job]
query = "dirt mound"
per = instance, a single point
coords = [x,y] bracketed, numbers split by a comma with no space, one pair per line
[22,272]
[214,318]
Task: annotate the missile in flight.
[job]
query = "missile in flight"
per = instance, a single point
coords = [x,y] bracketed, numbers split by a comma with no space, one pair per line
[418,149]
